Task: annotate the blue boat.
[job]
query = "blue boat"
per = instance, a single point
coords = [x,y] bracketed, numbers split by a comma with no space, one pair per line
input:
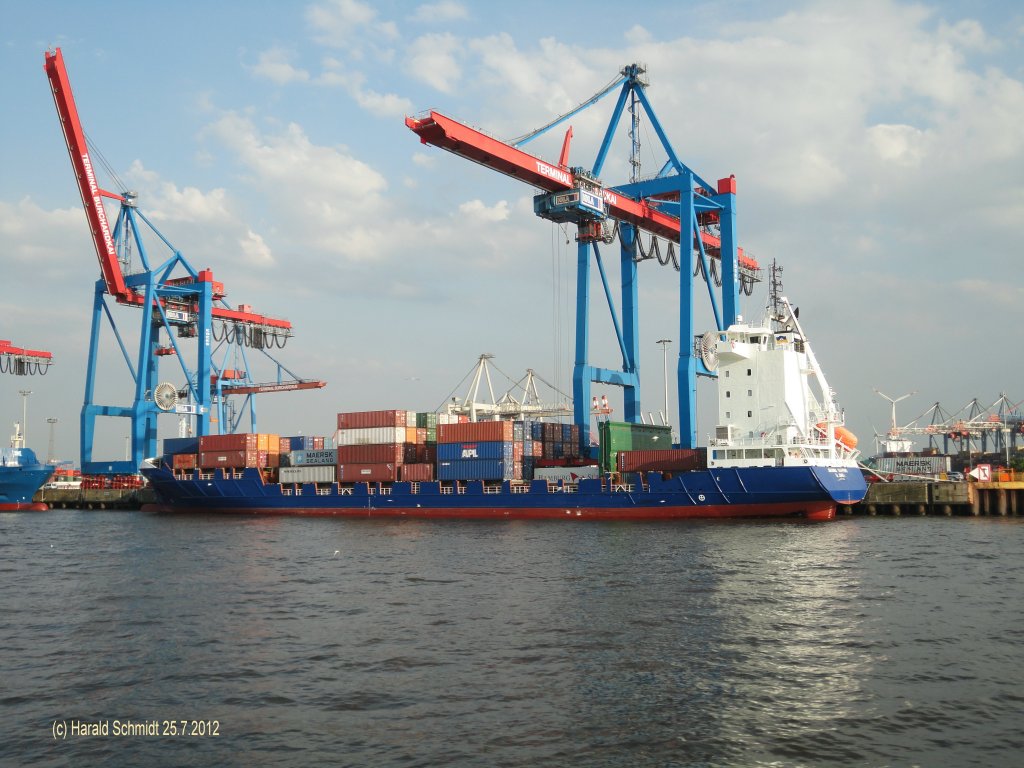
[779,450]
[21,475]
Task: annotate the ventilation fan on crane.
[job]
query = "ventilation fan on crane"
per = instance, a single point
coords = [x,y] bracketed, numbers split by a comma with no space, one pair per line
[709,350]
[165,396]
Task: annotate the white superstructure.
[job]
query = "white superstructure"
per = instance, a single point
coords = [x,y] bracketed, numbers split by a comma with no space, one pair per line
[775,407]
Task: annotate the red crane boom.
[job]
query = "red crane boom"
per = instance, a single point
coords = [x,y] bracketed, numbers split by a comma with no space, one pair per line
[99,226]
[458,138]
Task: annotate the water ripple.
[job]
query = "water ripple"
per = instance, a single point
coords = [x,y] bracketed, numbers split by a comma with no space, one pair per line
[864,642]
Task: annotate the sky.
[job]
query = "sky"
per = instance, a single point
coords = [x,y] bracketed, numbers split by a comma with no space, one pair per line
[877,147]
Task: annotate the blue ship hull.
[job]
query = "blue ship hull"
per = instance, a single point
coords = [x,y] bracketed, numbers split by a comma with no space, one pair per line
[808,492]
[21,475]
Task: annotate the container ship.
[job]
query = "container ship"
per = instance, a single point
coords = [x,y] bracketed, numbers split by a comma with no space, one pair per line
[779,450]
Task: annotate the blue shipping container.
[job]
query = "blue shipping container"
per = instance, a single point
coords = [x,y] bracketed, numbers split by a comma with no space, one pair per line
[175,445]
[475,469]
[483,449]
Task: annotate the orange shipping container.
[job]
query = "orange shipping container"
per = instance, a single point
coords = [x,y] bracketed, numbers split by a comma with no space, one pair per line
[416,472]
[365,419]
[184,461]
[476,431]
[371,454]
[245,441]
[367,473]
[229,459]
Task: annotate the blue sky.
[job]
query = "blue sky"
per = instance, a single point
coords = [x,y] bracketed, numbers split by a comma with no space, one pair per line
[877,147]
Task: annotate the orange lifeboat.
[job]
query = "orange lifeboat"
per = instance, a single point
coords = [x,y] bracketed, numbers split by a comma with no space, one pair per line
[843,435]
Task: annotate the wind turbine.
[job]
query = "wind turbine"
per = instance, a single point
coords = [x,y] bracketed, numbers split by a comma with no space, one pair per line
[895,440]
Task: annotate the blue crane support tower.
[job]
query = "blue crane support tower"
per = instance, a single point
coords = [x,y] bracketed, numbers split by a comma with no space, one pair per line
[189,306]
[676,205]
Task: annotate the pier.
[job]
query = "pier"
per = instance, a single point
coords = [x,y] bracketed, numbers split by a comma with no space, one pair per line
[95,498]
[1001,497]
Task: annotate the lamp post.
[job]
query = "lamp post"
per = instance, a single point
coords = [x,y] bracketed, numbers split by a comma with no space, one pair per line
[24,413]
[53,423]
[664,348]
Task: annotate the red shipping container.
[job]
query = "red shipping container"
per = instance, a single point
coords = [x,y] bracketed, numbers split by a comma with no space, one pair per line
[184,461]
[318,443]
[371,454]
[477,431]
[231,459]
[676,460]
[365,419]
[245,441]
[517,451]
[416,472]
[367,473]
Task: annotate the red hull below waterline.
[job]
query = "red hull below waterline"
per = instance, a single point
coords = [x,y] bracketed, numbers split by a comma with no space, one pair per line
[27,506]
[817,511]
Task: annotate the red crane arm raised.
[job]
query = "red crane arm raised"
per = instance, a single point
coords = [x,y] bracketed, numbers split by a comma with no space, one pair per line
[458,138]
[74,137]
[113,277]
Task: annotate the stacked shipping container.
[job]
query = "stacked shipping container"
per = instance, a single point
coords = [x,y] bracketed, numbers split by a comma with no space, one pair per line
[238,451]
[391,445]
[383,446]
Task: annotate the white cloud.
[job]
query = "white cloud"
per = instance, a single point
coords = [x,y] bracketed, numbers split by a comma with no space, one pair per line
[432,59]
[349,25]
[446,10]
[900,144]
[163,201]
[386,105]
[275,65]
[255,250]
[475,209]
[324,200]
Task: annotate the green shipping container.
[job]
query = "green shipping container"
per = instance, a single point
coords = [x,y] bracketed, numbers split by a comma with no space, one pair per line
[618,436]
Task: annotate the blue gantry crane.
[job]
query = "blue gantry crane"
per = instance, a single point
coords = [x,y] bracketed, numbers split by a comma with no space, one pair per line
[676,206]
[178,302]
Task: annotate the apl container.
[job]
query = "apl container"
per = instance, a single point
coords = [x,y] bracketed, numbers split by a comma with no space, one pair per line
[478,469]
[475,450]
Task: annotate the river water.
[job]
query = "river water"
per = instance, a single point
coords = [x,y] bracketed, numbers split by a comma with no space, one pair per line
[293,642]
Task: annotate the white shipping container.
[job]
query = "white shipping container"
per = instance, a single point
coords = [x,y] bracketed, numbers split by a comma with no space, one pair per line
[913,465]
[370,436]
[311,473]
[567,474]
